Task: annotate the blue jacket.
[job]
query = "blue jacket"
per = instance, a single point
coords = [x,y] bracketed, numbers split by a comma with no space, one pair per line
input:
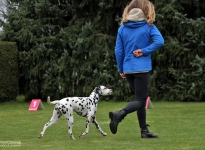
[132,36]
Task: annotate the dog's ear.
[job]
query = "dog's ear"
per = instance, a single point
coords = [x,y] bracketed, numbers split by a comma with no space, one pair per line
[97,88]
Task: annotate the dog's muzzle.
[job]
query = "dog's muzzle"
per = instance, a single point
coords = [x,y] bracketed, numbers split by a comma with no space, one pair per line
[111,92]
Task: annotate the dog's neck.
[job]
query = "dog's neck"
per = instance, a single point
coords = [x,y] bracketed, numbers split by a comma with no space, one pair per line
[99,94]
[95,96]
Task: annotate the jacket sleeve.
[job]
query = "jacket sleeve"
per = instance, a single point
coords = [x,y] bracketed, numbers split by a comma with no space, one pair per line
[119,50]
[157,41]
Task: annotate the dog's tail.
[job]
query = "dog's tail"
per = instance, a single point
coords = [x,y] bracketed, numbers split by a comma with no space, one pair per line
[53,102]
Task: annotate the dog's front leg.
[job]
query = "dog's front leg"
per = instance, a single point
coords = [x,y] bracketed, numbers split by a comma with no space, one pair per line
[94,121]
[87,124]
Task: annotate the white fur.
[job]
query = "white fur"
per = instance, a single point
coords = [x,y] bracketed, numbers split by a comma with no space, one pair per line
[83,106]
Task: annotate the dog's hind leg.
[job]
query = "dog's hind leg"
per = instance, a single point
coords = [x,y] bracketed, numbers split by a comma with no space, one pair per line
[56,115]
[94,121]
[69,118]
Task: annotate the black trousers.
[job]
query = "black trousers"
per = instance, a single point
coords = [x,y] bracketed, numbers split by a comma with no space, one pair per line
[139,83]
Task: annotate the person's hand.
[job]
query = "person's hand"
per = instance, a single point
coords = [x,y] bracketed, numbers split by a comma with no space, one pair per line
[122,75]
[138,52]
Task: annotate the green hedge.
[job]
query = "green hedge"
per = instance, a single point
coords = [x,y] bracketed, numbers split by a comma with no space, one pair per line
[9,72]
[66,48]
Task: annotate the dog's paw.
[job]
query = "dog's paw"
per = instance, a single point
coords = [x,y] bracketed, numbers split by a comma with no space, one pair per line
[72,137]
[80,135]
[104,134]
[40,136]
[84,133]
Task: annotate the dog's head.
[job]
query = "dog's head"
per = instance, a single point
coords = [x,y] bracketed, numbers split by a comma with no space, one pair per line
[102,90]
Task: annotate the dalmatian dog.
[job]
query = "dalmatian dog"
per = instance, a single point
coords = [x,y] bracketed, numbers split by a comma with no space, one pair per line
[83,106]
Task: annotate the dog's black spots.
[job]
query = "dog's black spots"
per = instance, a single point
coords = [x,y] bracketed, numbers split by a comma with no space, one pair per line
[48,123]
[59,113]
[68,127]
[79,113]
[83,106]
[87,124]
[85,115]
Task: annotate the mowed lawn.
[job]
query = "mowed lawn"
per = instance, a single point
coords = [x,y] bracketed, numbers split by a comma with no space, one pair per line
[179,125]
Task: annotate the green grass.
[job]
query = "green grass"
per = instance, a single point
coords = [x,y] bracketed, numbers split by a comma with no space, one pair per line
[180,126]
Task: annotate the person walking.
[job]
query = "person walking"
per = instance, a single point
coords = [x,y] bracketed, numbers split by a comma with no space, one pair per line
[137,39]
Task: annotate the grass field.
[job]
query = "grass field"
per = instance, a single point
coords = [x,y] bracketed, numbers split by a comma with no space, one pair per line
[180,126]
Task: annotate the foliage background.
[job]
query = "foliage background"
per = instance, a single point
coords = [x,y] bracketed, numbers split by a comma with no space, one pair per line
[66,48]
[9,71]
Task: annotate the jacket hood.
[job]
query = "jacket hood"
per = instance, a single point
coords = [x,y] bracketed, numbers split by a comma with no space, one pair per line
[135,24]
[135,15]
[135,18]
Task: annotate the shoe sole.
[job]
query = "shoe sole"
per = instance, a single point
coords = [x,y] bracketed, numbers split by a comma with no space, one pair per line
[149,137]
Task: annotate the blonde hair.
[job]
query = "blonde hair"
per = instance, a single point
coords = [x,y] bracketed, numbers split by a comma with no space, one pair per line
[145,5]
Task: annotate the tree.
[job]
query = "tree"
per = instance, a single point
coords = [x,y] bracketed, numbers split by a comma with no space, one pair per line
[63,45]
[179,65]
[66,47]
[2,10]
